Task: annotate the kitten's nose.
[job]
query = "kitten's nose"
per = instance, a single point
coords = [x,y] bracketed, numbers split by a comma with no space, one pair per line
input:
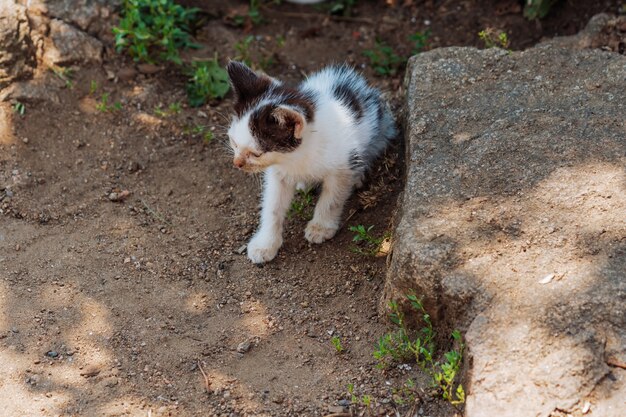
[239,162]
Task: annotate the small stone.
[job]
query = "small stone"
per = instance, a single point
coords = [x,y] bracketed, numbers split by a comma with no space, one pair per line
[121,196]
[244,346]
[336,409]
[148,69]
[25,140]
[90,371]
[17,247]
[127,74]
[52,353]
[241,249]
[344,402]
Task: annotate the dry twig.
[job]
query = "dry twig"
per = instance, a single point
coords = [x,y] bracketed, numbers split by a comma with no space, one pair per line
[207,383]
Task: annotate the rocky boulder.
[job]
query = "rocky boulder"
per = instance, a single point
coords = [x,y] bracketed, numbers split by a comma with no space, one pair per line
[512,224]
[17,59]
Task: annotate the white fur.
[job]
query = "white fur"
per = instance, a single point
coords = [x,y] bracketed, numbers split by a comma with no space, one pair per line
[329,142]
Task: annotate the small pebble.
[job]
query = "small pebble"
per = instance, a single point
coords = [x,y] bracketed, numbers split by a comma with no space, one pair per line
[244,346]
[336,409]
[52,353]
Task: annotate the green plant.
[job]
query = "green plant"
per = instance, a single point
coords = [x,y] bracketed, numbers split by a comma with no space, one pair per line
[64,74]
[19,108]
[154,30]
[243,50]
[446,373]
[200,130]
[337,344]
[264,58]
[172,109]
[93,87]
[302,205]
[534,9]
[420,41]
[383,59]
[103,105]
[494,38]
[366,239]
[401,345]
[365,399]
[208,80]
[253,16]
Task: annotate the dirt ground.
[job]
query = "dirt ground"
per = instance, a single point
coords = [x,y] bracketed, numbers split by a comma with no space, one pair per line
[129,306]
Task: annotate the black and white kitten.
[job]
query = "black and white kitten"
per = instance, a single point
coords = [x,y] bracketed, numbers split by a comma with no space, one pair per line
[328,130]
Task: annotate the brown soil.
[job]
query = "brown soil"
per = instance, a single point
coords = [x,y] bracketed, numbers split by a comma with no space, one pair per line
[119,307]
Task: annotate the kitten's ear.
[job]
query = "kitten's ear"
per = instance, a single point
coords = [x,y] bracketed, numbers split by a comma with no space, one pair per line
[246,83]
[289,117]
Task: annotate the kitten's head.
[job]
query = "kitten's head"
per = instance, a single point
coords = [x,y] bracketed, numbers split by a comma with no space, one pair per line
[270,119]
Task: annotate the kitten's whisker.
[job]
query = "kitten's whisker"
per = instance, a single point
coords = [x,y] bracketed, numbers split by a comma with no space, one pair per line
[222,115]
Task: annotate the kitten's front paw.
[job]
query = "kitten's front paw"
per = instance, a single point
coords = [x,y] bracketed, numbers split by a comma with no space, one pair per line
[317,232]
[263,248]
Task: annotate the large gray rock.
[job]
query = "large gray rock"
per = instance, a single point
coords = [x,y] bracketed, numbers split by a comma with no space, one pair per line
[512,224]
[67,45]
[86,14]
[17,53]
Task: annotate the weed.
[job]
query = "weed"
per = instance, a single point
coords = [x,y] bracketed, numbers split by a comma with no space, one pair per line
[207,137]
[154,30]
[19,108]
[364,400]
[243,50]
[337,344]
[494,38]
[264,57]
[103,105]
[280,41]
[419,41]
[175,108]
[534,9]
[364,237]
[171,110]
[202,131]
[447,373]
[302,205]
[253,16]
[93,87]
[208,80]
[64,74]
[383,59]
[400,346]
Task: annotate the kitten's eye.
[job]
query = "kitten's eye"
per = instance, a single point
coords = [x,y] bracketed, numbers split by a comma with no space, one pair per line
[256,154]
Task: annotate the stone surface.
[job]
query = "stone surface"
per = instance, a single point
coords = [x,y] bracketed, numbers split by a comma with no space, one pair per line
[85,14]
[515,171]
[68,45]
[17,59]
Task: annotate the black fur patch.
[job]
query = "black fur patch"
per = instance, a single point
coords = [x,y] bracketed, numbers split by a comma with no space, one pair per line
[272,135]
[346,95]
[249,87]
[301,100]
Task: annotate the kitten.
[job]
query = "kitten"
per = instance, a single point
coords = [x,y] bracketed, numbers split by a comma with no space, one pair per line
[327,130]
